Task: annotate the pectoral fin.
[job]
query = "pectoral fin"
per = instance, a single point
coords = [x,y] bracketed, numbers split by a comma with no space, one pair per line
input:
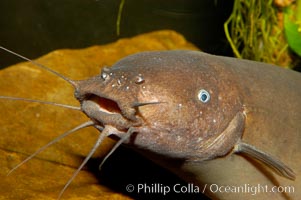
[265,158]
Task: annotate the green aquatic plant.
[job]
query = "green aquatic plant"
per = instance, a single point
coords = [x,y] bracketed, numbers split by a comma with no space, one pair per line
[255,32]
[119,17]
[292,26]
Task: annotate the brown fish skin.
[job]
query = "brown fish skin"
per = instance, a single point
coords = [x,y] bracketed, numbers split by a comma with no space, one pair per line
[167,127]
[271,98]
[256,103]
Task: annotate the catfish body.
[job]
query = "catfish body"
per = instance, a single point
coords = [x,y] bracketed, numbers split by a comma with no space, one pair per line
[271,100]
[215,121]
[197,108]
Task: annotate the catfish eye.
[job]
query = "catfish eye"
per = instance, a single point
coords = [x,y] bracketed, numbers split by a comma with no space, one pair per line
[204,96]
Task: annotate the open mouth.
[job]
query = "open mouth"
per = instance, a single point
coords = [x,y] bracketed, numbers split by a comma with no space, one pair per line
[104,111]
[105,105]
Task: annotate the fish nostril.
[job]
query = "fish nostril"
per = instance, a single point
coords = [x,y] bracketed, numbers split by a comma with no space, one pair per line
[105,104]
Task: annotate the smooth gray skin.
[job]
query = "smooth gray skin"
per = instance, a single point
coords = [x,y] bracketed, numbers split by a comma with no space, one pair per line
[256,103]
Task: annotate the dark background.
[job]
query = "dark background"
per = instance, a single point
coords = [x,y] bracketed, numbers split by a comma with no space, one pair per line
[36,27]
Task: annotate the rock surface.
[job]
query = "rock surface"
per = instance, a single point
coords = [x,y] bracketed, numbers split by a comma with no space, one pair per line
[25,127]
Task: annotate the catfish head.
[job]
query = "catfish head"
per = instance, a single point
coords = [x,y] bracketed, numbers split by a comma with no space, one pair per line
[173,103]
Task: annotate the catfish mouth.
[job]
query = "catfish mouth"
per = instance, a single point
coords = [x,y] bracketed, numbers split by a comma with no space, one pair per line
[104,111]
[105,105]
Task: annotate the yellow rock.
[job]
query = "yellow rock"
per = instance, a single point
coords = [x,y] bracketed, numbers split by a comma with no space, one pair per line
[25,127]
